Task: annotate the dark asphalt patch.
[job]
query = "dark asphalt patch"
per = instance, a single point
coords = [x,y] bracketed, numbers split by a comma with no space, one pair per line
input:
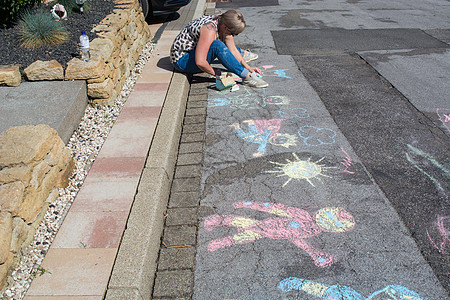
[336,40]
[404,151]
[246,3]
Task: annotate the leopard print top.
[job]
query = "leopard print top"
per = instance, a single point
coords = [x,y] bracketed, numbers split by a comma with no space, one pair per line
[188,38]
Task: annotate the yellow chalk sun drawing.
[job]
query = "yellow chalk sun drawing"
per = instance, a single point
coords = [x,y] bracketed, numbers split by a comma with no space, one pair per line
[301,169]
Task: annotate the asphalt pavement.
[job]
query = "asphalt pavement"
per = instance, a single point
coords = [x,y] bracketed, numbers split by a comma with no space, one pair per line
[334,181]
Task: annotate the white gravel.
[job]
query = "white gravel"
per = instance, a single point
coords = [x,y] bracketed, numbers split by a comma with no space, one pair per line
[84,145]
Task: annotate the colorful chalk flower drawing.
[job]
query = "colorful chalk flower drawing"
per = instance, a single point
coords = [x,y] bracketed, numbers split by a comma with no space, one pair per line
[342,292]
[293,224]
[444,117]
[262,132]
[315,136]
[441,234]
[300,169]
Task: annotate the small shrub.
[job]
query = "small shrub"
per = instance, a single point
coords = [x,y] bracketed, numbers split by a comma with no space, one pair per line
[10,9]
[38,28]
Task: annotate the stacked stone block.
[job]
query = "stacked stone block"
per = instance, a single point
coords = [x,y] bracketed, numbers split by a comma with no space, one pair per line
[121,36]
[34,162]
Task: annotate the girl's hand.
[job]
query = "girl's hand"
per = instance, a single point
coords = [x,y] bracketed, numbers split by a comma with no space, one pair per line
[255,69]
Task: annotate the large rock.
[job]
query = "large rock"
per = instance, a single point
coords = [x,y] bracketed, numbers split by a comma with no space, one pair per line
[101,90]
[102,48]
[4,268]
[23,145]
[22,235]
[44,70]
[11,197]
[22,173]
[78,69]
[10,75]
[5,235]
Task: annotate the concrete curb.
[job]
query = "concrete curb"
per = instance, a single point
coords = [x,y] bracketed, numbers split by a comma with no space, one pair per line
[135,266]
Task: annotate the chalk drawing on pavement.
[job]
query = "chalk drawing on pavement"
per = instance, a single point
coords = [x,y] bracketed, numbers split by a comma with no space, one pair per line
[421,160]
[335,292]
[294,113]
[444,117]
[278,73]
[439,234]
[246,100]
[315,136]
[262,132]
[300,170]
[290,223]
[347,163]
[283,139]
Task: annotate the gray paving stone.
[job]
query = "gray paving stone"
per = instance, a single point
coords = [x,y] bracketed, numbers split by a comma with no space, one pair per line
[193,137]
[184,199]
[191,147]
[196,97]
[194,119]
[181,216]
[189,159]
[194,128]
[186,184]
[196,111]
[173,284]
[176,258]
[179,236]
[188,171]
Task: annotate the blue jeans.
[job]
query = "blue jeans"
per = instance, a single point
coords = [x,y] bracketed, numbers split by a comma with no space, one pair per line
[219,50]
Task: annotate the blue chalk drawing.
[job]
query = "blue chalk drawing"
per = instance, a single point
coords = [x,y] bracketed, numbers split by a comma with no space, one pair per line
[292,113]
[314,136]
[342,292]
[421,160]
[282,73]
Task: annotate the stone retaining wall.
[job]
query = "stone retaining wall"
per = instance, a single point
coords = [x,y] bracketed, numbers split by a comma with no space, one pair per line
[120,38]
[34,162]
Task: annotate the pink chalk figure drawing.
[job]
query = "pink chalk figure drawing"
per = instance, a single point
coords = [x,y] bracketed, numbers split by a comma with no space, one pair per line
[442,226]
[263,132]
[347,163]
[293,224]
[300,169]
[444,117]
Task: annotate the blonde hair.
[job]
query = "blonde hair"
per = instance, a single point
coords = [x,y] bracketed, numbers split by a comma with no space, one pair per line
[233,20]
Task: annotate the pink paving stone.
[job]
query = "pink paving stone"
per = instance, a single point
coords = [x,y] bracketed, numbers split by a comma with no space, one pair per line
[155,78]
[116,167]
[82,229]
[147,87]
[146,98]
[134,128]
[74,272]
[138,113]
[105,196]
[47,297]
[125,147]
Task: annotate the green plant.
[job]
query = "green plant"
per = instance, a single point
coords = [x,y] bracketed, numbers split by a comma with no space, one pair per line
[38,28]
[10,9]
[40,271]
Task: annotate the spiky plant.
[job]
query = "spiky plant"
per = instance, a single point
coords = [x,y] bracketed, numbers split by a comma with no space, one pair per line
[38,28]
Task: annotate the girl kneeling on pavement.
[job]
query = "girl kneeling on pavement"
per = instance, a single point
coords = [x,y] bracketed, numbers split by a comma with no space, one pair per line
[210,37]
